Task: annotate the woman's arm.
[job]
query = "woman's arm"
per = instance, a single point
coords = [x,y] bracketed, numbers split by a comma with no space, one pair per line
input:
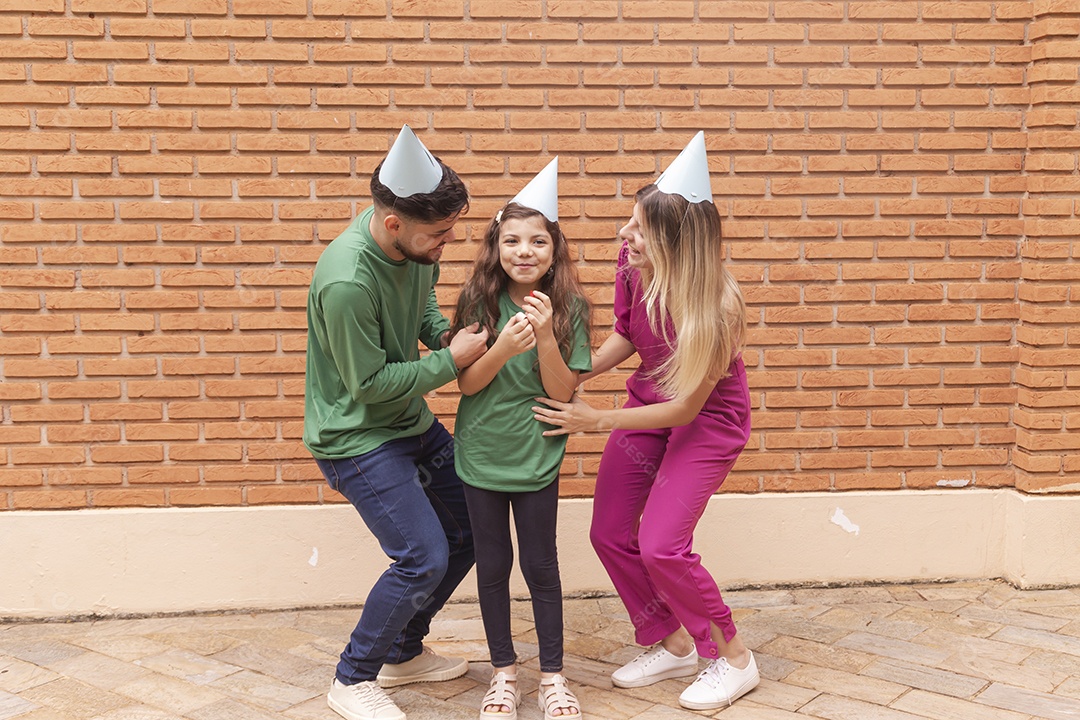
[578,416]
[613,351]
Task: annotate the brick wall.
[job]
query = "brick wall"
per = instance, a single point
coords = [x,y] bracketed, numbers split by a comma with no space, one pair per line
[898,183]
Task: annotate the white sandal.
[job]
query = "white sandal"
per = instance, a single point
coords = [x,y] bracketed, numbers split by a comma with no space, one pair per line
[500,694]
[555,695]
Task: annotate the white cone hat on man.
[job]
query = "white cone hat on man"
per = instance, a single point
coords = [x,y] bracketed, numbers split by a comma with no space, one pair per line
[688,174]
[542,192]
[409,168]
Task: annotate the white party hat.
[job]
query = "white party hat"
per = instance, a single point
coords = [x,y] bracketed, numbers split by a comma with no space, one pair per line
[688,174]
[409,168]
[542,192]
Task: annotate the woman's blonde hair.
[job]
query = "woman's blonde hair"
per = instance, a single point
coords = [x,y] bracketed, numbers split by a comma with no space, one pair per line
[692,301]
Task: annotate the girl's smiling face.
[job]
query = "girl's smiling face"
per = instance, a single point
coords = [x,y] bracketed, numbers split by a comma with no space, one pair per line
[637,246]
[526,250]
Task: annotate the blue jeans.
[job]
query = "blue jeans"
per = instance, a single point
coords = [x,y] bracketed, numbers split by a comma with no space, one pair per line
[412,501]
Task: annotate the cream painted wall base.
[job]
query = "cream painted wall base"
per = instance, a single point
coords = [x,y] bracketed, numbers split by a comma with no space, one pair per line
[133,561]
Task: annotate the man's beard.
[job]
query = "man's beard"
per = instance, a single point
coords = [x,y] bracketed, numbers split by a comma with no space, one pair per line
[414,257]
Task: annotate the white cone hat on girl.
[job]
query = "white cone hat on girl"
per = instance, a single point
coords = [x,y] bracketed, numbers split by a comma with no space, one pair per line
[409,168]
[688,174]
[542,192]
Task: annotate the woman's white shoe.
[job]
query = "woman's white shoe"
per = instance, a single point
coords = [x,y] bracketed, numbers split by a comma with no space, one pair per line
[654,665]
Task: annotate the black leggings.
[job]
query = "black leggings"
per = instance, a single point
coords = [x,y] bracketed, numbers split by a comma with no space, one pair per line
[534,517]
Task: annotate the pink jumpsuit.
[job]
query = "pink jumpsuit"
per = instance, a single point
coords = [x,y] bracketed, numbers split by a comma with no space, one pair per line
[653,486]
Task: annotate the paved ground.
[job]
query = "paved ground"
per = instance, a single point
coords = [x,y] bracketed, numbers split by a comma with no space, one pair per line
[969,651]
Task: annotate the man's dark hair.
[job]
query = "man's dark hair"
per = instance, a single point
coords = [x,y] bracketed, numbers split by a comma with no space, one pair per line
[448,198]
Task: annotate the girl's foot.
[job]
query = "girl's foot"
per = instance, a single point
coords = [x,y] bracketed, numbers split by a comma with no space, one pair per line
[556,699]
[500,702]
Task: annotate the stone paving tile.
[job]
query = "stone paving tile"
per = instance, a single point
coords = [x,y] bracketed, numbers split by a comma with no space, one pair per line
[45,714]
[952,622]
[40,652]
[857,616]
[804,629]
[746,709]
[188,666]
[73,698]
[126,648]
[1053,661]
[12,706]
[781,695]
[1002,617]
[841,596]
[954,643]
[773,667]
[812,653]
[137,712]
[835,682]
[269,661]
[998,594]
[1070,687]
[943,707]
[896,649]
[168,693]
[833,707]
[1040,639]
[993,670]
[98,670]
[951,591]
[18,675]
[924,678]
[1040,705]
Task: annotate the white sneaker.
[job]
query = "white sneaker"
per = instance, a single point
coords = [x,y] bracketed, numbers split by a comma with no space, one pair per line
[654,665]
[428,666]
[362,701]
[720,684]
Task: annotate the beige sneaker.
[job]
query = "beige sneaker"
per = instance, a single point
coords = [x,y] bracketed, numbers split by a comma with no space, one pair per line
[425,667]
[362,701]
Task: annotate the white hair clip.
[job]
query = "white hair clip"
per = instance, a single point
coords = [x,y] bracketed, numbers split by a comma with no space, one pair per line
[498,217]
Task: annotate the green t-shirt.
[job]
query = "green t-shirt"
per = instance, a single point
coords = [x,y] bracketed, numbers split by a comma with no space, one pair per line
[365,378]
[498,443]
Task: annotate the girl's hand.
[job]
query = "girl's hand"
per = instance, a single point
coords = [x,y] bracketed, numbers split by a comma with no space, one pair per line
[570,417]
[538,310]
[517,336]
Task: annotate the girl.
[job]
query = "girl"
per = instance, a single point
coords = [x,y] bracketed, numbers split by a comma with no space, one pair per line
[685,422]
[525,291]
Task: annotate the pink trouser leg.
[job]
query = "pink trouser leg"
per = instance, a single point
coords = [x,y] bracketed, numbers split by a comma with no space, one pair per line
[627,470]
[665,478]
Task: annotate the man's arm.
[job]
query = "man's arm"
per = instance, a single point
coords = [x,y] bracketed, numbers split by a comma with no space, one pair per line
[353,332]
[435,327]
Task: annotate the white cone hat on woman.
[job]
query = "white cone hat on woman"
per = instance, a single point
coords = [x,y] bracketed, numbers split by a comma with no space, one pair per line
[542,192]
[409,168]
[688,174]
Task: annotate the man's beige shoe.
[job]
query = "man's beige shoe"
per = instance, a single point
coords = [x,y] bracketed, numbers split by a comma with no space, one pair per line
[425,667]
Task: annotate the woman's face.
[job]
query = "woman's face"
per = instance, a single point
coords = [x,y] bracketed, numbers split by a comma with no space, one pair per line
[526,249]
[637,246]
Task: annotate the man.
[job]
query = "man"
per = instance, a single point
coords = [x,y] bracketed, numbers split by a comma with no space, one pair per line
[365,420]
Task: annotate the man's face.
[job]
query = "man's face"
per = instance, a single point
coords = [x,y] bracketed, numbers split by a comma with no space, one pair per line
[421,242]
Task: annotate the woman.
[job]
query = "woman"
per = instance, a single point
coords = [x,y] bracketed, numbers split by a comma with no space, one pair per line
[685,422]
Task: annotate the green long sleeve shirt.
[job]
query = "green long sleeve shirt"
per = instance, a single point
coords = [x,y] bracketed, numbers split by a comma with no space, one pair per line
[365,378]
